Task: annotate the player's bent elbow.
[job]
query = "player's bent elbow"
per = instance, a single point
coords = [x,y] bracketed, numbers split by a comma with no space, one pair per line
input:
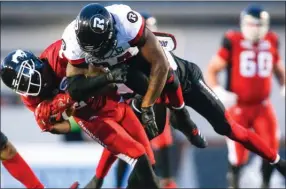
[8,152]
[74,92]
[74,87]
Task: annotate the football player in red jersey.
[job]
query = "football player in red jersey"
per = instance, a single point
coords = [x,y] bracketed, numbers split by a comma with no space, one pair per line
[105,118]
[250,57]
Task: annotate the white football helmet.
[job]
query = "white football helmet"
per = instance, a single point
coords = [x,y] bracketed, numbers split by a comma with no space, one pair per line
[254,23]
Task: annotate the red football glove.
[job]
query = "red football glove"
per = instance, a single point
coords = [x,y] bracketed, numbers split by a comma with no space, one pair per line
[49,112]
[60,103]
[42,115]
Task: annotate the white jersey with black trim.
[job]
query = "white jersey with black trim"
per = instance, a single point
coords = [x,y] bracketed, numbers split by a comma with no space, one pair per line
[129,25]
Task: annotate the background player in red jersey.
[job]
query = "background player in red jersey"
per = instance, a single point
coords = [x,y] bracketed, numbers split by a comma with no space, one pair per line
[41,82]
[250,56]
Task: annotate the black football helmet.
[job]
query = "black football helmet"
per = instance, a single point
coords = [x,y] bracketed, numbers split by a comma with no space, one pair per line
[95,30]
[21,71]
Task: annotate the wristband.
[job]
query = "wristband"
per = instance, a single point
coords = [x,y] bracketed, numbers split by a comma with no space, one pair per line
[74,126]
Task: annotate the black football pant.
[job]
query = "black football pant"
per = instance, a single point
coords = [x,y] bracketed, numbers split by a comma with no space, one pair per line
[196,93]
[202,99]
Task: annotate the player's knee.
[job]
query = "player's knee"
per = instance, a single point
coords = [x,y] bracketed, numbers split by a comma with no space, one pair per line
[136,151]
[8,151]
[132,153]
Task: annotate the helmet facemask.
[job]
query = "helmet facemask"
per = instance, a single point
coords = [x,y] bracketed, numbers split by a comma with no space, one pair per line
[107,47]
[28,81]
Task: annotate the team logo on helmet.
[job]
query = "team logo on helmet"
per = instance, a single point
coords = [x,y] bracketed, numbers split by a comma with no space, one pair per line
[18,55]
[99,23]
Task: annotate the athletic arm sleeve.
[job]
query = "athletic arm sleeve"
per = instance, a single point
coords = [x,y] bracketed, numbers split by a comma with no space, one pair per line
[81,87]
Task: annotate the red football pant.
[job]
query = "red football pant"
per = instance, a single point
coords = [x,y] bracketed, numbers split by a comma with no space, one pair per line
[165,138]
[261,118]
[173,91]
[122,134]
[105,163]
[21,171]
[107,158]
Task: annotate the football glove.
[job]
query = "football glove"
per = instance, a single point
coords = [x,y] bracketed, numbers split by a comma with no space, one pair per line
[118,74]
[48,113]
[149,122]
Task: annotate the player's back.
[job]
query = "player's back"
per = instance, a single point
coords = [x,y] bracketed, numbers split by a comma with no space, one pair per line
[250,66]
[54,56]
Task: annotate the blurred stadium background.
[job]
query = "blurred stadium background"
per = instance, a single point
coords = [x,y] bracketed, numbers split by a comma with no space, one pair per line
[198,27]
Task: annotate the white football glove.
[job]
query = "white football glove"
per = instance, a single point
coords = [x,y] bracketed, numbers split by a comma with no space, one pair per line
[227,98]
[282,92]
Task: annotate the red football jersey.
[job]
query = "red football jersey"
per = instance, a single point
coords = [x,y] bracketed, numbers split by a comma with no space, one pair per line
[250,65]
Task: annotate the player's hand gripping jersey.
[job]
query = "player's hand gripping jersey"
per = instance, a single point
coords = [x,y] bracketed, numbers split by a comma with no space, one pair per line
[250,66]
[129,25]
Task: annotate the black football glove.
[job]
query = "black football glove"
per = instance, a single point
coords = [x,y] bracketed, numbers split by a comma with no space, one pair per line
[118,74]
[148,121]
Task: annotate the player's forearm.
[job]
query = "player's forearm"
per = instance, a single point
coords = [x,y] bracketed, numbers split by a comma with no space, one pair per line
[81,87]
[281,79]
[279,71]
[157,82]
[212,78]
[154,54]
[61,128]
[216,65]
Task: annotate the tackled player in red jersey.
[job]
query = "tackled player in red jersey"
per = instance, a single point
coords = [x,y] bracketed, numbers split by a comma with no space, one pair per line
[251,56]
[42,83]
[10,158]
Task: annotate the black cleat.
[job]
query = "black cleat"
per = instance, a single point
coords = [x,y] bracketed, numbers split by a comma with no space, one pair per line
[197,139]
[281,166]
[181,120]
[95,183]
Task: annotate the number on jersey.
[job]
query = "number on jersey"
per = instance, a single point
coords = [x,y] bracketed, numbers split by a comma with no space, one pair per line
[132,17]
[249,68]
